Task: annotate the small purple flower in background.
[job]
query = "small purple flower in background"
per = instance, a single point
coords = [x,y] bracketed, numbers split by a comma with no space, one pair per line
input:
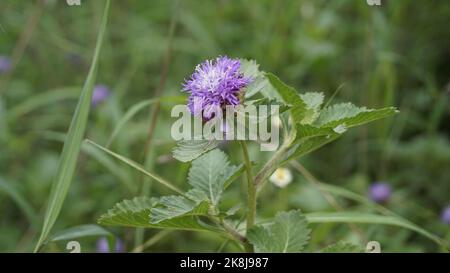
[215,84]
[445,216]
[103,246]
[101,93]
[5,64]
[380,192]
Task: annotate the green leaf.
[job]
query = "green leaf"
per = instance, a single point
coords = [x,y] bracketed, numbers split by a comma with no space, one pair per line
[367,218]
[305,107]
[233,210]
[288,232]
[313,101]
[269,102]
[351,115]
[289,96]
[342,247]
[259,83]
[79,232]
[188,150]
[136,213]
[72,145]
[194,203]
[309,145]
[210,172]
[305,131]
[250,68]
[309,138]
[233,174]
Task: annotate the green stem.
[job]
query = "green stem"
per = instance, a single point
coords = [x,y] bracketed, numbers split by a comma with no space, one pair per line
[268,168]
[251,194]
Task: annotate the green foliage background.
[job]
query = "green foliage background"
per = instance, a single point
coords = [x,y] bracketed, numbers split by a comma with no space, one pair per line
[395,54]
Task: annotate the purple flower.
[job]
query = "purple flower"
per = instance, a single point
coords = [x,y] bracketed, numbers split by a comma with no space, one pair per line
[101,93]
[5,64]
[103,246]
[380,192]
[215,84]
[445,216]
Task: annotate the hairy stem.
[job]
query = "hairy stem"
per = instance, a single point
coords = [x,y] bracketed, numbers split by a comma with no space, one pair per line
[270,166]
[251,194]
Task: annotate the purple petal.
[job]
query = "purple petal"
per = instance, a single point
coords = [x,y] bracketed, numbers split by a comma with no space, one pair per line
[380,192]
[216,83]
[101,93]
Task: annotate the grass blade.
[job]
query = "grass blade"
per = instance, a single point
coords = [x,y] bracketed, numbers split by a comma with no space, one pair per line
[43,99]
[137,108]
[367,218]
[79,232]
[137,167]
[72,145]
[19,199]
[99,156]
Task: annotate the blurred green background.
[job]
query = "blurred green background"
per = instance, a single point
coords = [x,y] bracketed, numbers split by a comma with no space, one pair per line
[396,54]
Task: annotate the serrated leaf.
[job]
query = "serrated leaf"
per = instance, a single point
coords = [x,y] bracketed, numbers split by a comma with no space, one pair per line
[288,232]
[136,213]
[313,101]
[304,107]
[210,173]
[233,210]
[250,68]
[259,83]
[189,150]
[305,131]
[194,203]
[269,102]
[342,247]
[350,115]
[289,96]
[233,173]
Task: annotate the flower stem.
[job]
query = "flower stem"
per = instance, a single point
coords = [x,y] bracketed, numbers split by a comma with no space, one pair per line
[273,163]
[251,194]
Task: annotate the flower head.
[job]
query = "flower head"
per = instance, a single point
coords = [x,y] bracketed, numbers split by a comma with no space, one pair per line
[103,246]
[380,192]
[5,64]
[101,92]
[281,177]
[445,216]
[215,84]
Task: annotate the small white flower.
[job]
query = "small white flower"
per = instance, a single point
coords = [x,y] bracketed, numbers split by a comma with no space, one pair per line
[281,177]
